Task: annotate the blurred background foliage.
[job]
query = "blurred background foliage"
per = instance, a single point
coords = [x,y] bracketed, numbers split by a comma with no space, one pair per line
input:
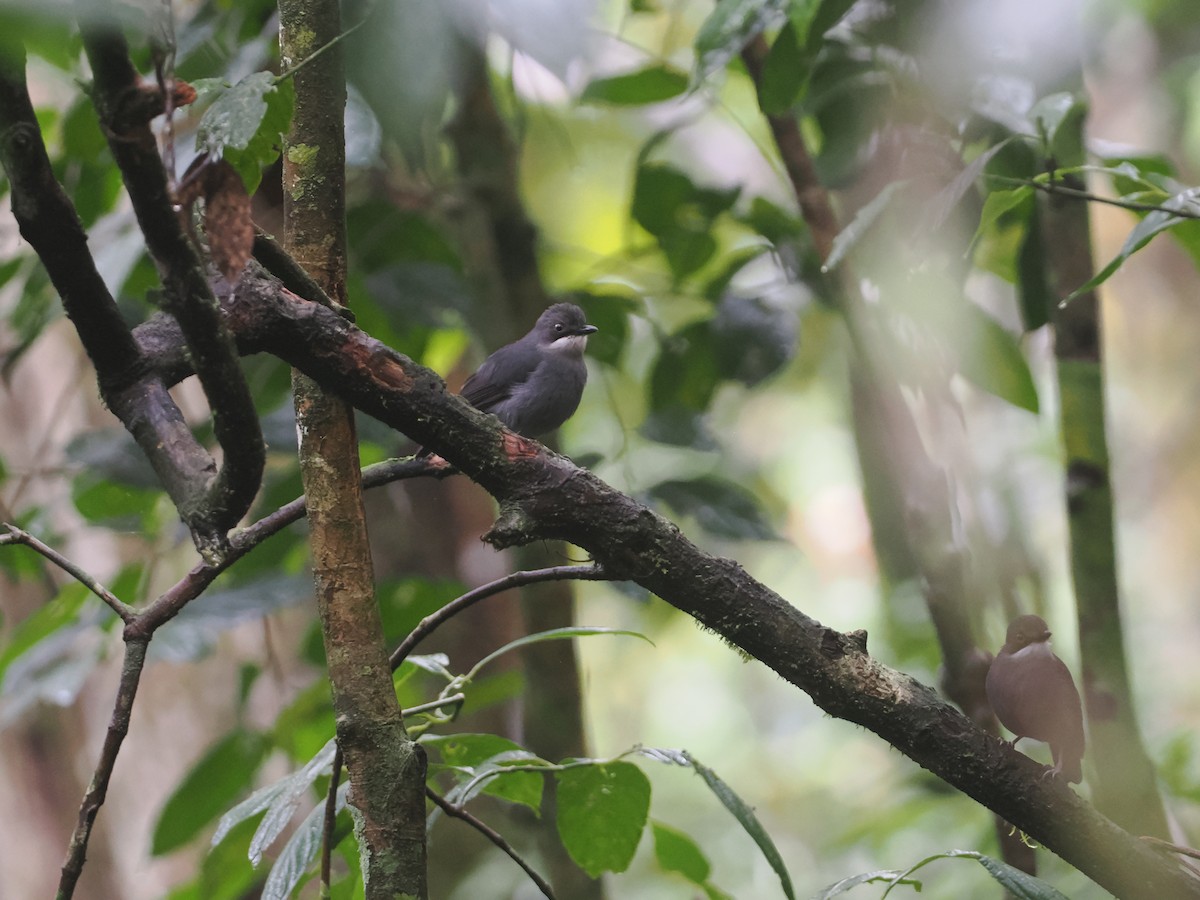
[718,394]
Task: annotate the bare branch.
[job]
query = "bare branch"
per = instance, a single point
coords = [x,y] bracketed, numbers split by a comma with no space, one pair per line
[19,536]
[131,673]
[434,620]
[492,835]
[187,295]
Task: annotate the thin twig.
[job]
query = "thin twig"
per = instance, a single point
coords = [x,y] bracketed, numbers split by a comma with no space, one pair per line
[330,820]
[292,70]
[18,536]
[1059,189]
[434,620]
[495,837]
[131,673]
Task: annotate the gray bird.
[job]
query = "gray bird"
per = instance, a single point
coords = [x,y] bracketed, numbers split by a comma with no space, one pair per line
[1033,695]
[534,384]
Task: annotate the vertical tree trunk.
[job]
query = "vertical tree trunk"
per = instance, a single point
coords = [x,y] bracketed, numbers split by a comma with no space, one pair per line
[386,770]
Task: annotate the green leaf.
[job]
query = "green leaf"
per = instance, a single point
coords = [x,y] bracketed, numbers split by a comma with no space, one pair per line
[300,850]
[280,800]
[1018,884]
[225,873]
[891,876]
[729,27]
[1034,291]
[235,116]
[602,811]
[244,123]
[992,360]
[115,505]
[849,236]
[475,754]
[652,84]
[784,73]
[1154,223]
[826,14]
[1059,120]
[736,805]
[677,852]
[721,507]
[222,773]
[999,204]
[685,373]
[267,142]
[659,191]
[60,613]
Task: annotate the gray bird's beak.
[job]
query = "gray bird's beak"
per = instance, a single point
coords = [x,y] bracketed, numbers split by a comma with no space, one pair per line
[586,329]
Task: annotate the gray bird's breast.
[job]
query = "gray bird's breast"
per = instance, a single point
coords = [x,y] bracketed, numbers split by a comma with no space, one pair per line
[546,399]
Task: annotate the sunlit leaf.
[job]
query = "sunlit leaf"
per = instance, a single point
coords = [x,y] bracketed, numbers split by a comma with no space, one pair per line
[602,810]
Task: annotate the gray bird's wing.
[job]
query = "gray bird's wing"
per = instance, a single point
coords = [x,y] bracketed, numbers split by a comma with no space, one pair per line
[501,373]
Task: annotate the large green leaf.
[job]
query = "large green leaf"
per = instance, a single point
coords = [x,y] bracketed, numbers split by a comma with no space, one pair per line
[602,811]
[784,73]
[224,772]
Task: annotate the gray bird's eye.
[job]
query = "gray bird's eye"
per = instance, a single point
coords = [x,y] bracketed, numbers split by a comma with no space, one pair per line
[558,327]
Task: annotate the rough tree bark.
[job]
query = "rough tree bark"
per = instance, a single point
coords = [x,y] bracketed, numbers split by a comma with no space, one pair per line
[386,770]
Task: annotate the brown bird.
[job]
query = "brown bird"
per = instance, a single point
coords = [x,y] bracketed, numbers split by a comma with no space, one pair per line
[1033,695]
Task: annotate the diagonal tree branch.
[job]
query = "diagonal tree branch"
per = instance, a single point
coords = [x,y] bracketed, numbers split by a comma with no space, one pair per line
[187,295]
[545,496]
[18,536]
[48,221]
[118,728]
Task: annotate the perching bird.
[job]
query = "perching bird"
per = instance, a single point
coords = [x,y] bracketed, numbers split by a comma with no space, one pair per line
[534,384]
[1033,695]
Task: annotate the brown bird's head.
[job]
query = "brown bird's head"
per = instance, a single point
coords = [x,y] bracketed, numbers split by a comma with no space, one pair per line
[1025,630]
